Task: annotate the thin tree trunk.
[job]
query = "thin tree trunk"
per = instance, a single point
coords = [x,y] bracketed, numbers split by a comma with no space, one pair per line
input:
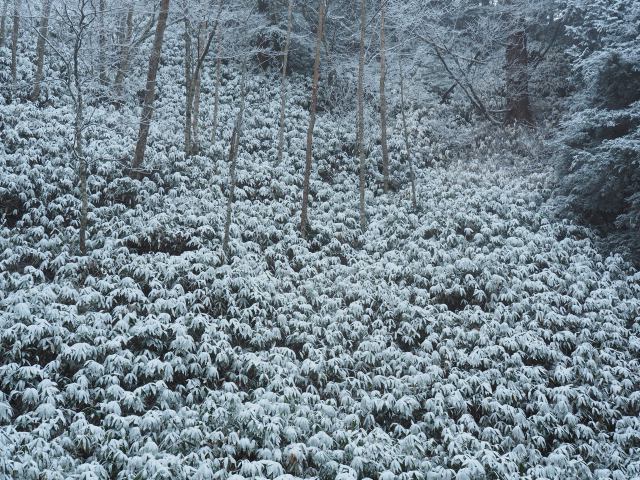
[218,75]
[126,34]
[312,121]
[14,43]
[192,78]
[196,89]
[517,77]
[283,85]
[407,145]
[147,109]
[233,160]
[383,104]
[216,94]
[77,138]
[3,22]
[82,165]
[188,83]
[360,120]
[102,45]
[40,49]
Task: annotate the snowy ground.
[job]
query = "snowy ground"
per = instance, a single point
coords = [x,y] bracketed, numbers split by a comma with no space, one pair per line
[474,338]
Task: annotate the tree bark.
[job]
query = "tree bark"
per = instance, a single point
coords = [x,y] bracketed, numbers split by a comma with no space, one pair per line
[40,49]
[102,45]
[283,84]
[217,75]
[360,120]
[188,82]
[202,28]
[233,160]
[304,220]
[126,33]
[216,94]
[3,22]
[78,127]
[14,43]
[147,109]
[517,77]
[407,145]
[383,104]
[79,153]
[192,77]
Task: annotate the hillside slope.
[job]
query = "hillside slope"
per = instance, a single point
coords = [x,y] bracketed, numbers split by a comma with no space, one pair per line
[474,338]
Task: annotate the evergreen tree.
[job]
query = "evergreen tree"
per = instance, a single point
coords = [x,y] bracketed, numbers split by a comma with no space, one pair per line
[600,166]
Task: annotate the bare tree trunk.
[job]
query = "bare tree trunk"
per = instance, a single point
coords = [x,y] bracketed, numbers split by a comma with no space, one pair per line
[407,145]
[188,82]
[216,94]
[383,104]
[147,109]
[202,28]
[125,36]
[77,137]
[517,81]
[192,77]
[233,160]
[102,44]
[74,85]
[360,121]
[283,85]
[40,49]
[14,43]
[218,75]
[82,161]
[3,22]
[312,121]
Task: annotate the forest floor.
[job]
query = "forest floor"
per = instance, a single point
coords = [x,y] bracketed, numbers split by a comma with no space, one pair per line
[474,337]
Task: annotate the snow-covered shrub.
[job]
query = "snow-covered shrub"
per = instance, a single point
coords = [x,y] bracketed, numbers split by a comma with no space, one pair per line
[472,337]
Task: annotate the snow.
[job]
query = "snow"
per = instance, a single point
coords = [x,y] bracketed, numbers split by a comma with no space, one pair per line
[477,336]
